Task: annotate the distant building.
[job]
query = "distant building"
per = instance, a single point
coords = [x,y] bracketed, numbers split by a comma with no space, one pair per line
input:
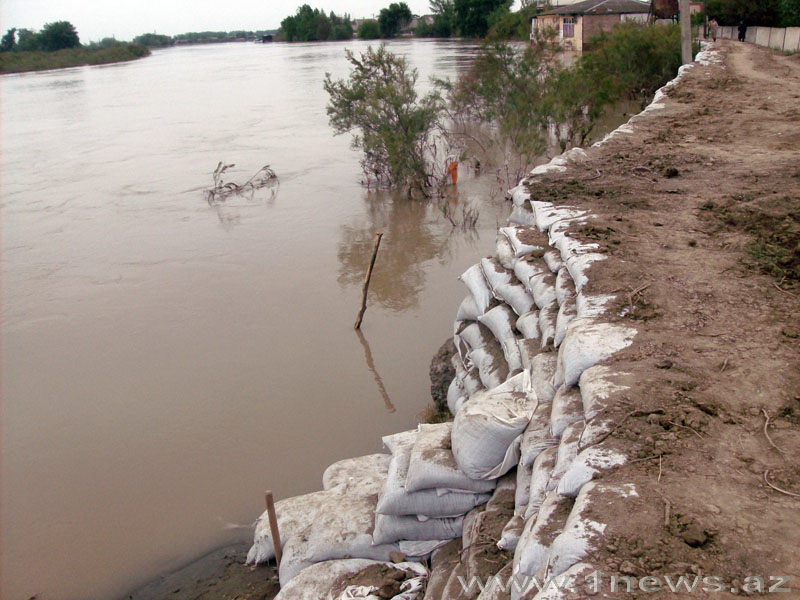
[576,23]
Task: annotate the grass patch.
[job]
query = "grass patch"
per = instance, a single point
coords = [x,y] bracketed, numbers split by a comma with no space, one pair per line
[19,62]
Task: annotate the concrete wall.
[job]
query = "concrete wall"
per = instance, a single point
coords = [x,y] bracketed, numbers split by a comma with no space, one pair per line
[786,39]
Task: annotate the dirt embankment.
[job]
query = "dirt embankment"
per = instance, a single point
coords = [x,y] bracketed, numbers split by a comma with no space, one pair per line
[699,212]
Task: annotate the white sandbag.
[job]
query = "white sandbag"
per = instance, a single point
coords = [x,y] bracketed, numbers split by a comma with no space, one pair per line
[341,529]
[318,580]
[522,490]
[578,264]
[543,288]
[495,273]
[515,383]
[566,313]
[547,214]
[537,438]
[516,296]
[525,270]
[528,325]
[462,348]
[547,325]
[598,387]
[580,531]
[595,431]
[432,464]
[470,378]
[497,586]
[533,549]
[592,305]
[485,431]
[552,258]
[395,500]
[477,286]
[524,240]
[565,287]
[511,533]
[567,408]
[377,578]
[363,474]
[476,335]
[587,343]
[543,368]
[393,528]
[519,195]
[503,496]
[567,451]
[400,441]
[504,252]
[468,310]
[491,364]
[586,466]
[293,514]
[512,355]
[528,349]
[501,320]
[521,215]
[540,478]
[576,583]
[456,395]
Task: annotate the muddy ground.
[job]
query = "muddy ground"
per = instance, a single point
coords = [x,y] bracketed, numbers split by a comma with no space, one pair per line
[699,212]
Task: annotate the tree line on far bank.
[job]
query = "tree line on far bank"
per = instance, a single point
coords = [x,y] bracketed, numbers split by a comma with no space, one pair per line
[765,13]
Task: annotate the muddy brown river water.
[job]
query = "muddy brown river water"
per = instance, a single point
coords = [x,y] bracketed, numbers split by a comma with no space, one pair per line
[163,361]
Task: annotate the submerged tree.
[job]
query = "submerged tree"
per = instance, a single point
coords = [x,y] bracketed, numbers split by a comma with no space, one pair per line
[391,124]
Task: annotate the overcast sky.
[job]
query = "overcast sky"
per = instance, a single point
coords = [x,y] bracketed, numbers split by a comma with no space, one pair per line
[124,19]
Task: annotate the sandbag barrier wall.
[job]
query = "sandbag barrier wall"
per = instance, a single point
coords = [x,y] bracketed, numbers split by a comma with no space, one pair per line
[527,445]
[785,39]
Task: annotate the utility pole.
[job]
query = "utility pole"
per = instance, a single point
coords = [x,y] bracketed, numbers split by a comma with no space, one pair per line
[686,32]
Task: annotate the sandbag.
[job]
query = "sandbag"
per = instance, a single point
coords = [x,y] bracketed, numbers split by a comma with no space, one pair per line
[400,441]
[576,583]
[528,325]
[516,296]
[330,579]
[566,313]
[293,514]
[363,475]
[567,408]
[598,387]
[470,378]
[586,466]
[476,284]
[547,214]
[543,368]
[592,305]
[543,288]
[443,562]
[528,349]
[504,252]
[576,539]
[547,325]
[587,343]
[395,500]
[503,496]
[456,395]
[495,273]
[540,477]
[491,364]
[511,533]
[485,431]
[537,437]
[567,451]
[432,464]
[520,215]
[525,270]
[523,489]
[524,240]
[512,355]
[476,335]
[519,195]
[533,549]
[578,264]
[552,258]
[497,588]
[565,287]
[393,528]
[340,529]
[501,320]
[468,310]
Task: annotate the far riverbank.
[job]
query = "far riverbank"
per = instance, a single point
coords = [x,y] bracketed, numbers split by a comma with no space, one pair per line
[22,62]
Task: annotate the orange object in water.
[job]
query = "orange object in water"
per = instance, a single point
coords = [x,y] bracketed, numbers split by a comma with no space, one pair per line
[453,169]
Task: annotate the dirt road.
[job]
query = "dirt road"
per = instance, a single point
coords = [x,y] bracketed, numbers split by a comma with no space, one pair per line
[699,211]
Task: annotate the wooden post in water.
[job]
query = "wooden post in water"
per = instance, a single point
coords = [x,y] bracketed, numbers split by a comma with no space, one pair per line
[363,308]
[273,526]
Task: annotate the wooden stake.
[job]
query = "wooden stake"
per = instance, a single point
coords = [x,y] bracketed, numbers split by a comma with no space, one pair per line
[363,308]
[273,526]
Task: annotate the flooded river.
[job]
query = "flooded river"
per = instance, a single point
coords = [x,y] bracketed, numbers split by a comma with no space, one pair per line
[164,362]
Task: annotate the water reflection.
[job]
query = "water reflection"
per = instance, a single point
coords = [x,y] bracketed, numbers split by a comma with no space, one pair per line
[413,234]
[371,366]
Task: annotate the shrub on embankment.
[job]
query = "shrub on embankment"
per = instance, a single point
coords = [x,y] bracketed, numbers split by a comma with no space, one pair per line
[18,62]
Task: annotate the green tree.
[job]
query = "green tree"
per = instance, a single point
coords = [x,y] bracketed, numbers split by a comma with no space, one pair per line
[393,18]
[790,13]
[28,41]
[732,12]
[153,40]
[444,20]
[473,17]
[311,24]
[58,36]
[8,41]
[369,30]
[391,125]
